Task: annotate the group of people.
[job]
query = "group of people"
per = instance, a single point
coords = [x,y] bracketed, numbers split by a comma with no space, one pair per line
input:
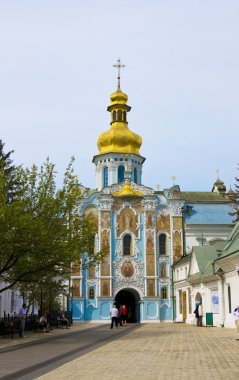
[198,314]
[43,321]
[118,316]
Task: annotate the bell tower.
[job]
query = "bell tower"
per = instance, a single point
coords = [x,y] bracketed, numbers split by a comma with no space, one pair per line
[119,146]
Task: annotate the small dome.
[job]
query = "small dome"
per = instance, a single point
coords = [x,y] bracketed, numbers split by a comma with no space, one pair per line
[119,138]
[219,186]
[119,97]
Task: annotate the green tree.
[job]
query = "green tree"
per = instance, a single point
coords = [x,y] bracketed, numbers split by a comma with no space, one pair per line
[41,233]
[235,198]
[8,172]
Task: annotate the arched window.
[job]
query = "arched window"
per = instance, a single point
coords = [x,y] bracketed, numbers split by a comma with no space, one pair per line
[120,174]
[164,293]
[114,115]
[105,177]
[127,243]
[135,176]
[119,115]
[91,293]
[162,244]
[124,115]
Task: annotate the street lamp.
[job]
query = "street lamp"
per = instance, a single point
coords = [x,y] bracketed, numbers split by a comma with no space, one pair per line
[71,296]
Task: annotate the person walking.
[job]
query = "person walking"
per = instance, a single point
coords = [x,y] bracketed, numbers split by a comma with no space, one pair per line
[236,315]
[197,314]
[114,313]
[22,316]
[124,315]
[200,313]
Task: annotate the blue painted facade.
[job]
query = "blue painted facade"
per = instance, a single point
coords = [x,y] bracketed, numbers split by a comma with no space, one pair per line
[138,275]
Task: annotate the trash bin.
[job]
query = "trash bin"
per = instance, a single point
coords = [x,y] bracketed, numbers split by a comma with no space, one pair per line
[209,319]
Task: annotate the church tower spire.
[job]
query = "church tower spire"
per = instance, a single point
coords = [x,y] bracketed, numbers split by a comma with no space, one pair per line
[119,146]
[119,66]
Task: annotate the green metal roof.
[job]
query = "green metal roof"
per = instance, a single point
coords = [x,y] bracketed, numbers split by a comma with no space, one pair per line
[183,259]
[232,244]
[205,254]
[209,271]
[197,196]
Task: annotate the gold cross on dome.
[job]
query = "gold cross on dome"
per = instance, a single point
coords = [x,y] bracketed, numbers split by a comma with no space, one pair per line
[119,66]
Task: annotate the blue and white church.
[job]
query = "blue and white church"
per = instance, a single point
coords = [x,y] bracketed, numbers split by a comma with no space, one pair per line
[145,231]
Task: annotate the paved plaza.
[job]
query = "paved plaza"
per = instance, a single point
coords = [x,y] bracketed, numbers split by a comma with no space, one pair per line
[159,351]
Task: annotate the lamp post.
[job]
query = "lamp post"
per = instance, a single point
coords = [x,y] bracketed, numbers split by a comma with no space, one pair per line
[71,296]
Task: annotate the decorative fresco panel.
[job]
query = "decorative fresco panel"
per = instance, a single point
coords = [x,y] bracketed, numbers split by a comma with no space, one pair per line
[150,288]
[127,269]
[150,252]
[91,214]
[105,243]
[91,271]
[163,221]
[177,245]
[105,219]
[105,288]
[75,269]
[127,220]
[76,288]
[105,266]
[177,223]
[149,220]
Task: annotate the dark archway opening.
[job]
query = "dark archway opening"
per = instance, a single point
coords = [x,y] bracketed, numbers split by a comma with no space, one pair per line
[131,299]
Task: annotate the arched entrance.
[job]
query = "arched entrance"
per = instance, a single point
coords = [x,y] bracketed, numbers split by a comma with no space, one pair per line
[198,299]
[130,298]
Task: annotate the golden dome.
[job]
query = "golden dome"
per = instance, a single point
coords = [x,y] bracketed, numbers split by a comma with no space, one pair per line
[119,138]
[119,97]
[127,192]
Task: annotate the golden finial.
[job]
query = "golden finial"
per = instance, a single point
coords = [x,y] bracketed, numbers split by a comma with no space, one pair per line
[230,181]
[217,171]
[174,179]
[119,66]
[158,187]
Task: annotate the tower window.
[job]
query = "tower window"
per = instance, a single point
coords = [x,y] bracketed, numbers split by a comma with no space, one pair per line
[127,242]
[120,174]
[105,177]
[135,176]
[91,293]
[119,115]
[124,115]
[162,244]
[114,115]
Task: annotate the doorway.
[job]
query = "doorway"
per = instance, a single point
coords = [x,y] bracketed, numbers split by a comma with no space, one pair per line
[131,299]
[184,305]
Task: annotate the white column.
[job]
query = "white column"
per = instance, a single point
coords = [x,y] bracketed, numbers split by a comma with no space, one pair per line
[221,300]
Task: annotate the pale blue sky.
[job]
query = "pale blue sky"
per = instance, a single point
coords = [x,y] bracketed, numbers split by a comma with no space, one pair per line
[182,80]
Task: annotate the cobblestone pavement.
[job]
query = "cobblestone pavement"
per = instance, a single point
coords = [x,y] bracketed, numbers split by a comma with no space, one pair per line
[36,336]
[159,351]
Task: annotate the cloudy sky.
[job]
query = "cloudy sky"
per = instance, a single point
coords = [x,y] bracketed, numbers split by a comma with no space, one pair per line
[182,80]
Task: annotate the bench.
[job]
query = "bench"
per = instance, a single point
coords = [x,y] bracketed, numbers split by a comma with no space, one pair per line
[63,323]
[11,327]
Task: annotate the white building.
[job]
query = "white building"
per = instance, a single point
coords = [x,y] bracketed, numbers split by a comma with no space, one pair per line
[210,275]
